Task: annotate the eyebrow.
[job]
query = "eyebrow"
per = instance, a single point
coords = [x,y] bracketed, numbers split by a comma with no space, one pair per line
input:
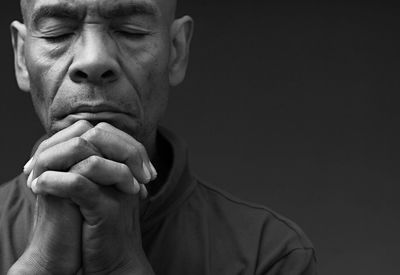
[59,10]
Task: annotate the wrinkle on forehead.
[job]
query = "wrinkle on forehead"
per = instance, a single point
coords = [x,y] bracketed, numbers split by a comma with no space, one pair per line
[167,8]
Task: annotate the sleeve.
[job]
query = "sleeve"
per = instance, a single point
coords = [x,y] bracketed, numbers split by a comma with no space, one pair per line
[300,261]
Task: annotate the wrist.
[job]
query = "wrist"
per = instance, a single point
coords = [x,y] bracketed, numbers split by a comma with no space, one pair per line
[55,245]
[33,262]
[26,268]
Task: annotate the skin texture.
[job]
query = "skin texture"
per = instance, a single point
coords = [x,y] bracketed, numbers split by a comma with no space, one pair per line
[139,67]
[99,81]
[168,7]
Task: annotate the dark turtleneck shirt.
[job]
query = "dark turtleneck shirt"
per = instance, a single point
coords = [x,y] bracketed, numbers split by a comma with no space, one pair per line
[188,228]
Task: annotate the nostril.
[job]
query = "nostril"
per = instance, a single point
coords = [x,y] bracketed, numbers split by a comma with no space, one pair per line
[107,75]
[81,75]
[93,75]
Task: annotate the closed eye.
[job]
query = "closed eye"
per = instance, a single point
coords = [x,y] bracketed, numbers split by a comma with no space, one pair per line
[59,37]
[131,32]
[56,30]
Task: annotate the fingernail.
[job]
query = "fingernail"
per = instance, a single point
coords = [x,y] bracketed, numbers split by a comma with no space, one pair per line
[153,170]
[29,180]
[27,165]
[136,187]
[34,185]
[143,191]
[147,174]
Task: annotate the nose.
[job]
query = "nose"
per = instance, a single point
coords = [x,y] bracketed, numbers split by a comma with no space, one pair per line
[94,60]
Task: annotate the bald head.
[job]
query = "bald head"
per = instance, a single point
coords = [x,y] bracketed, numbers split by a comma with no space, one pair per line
[24,8]
[167,8]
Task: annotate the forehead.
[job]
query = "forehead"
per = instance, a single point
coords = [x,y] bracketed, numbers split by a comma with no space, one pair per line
[159,8]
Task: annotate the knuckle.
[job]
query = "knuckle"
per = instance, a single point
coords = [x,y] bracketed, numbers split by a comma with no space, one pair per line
[125,174]
[102,125]
[44,177]
[93,133]
[42,146]
[43,180]
[134,155]
[93,162]
[42,162]
[141,148]
[133,151]
[84,124]
[77,143]
[76,184]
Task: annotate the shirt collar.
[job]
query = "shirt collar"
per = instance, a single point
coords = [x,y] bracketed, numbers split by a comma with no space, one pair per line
[178,186]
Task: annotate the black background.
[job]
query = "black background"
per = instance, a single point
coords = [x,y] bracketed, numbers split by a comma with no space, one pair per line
[291,105]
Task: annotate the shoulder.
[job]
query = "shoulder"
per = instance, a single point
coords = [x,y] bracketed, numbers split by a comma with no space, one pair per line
[270,236]
[14,196]
[247,213]
[9,191]
[16,207]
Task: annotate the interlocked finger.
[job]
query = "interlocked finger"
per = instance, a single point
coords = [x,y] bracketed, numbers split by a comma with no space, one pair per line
[107,172]
[62,156]
[68,185]
[129,139]
[113,147]
[75,130]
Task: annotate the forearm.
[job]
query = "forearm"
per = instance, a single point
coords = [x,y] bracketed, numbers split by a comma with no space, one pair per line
[31,264]
[56,240]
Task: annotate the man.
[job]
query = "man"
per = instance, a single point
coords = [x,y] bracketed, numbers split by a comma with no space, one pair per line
[106,191]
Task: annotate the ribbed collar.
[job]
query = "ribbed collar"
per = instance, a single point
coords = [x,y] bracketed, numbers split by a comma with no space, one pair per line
[178,186]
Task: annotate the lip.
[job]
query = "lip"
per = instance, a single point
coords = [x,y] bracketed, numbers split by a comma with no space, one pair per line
[118,119]
[95,114]
[94,109]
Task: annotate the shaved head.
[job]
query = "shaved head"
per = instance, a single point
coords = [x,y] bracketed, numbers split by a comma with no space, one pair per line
[167,7]
[24,8]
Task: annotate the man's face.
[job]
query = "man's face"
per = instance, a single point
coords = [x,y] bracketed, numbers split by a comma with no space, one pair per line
[100,60]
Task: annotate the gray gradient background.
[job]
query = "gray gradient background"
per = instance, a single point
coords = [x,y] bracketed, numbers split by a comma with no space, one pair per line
[294,106]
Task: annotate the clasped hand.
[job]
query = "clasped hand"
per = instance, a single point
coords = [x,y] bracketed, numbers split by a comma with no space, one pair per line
[87,180]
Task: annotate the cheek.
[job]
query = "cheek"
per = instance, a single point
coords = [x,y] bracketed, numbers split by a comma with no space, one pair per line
[156,78]
[146,67]
[45,75]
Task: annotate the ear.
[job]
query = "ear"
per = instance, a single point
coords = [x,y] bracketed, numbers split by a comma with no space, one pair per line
[181,35]
[18,35]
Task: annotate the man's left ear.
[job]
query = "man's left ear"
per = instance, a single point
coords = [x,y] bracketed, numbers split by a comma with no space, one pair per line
[181,35]
[18,35]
